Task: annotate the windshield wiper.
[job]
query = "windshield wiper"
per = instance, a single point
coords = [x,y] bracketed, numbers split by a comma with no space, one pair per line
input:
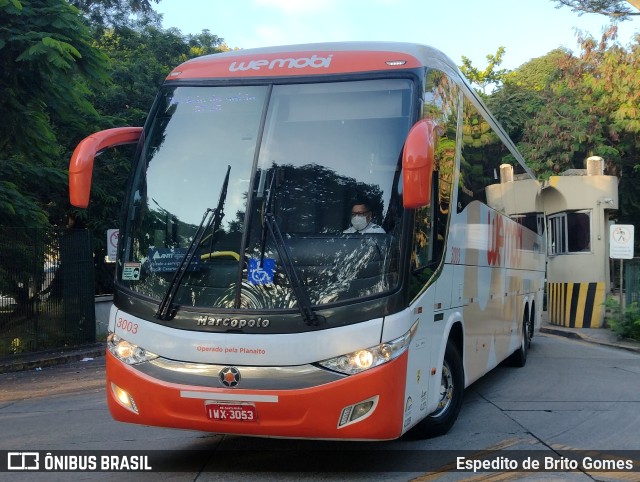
[211,219]
[309,316]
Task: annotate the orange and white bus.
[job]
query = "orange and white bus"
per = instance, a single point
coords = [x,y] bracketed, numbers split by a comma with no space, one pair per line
[307,248]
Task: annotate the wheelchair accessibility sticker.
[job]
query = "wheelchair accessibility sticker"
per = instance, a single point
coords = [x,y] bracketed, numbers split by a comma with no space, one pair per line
[261,275]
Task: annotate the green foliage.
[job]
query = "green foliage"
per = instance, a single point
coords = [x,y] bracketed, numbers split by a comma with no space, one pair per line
[562,108]
[561,133]
[537,73]
[48,67]
[29,194]
[514,106]
[490,75]
[104,14]
[589,106]
[68,69]
[524,93]
[624,325]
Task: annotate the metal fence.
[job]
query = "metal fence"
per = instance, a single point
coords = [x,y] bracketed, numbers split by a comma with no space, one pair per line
[631,273]
[46,290]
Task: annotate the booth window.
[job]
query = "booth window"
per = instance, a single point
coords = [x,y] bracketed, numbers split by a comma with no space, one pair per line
[569,232]
[532,221]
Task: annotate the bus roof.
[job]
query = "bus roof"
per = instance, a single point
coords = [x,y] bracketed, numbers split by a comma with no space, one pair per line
[313,59]
[329,59]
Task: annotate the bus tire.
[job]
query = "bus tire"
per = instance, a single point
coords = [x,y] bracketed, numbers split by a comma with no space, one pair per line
[451,394]
[532,323]
[519,357]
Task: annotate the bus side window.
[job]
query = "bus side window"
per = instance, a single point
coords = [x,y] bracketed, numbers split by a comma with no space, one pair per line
[440,103]
[482,154]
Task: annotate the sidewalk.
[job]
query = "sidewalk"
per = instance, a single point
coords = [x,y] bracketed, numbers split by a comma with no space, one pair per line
[598,336]
[39,360]
[34,361]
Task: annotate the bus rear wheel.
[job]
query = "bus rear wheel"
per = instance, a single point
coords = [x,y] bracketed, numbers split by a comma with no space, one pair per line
[519,357]
[451,393]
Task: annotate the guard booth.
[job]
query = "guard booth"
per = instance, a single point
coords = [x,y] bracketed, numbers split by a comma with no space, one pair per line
[579,205]
[519,197]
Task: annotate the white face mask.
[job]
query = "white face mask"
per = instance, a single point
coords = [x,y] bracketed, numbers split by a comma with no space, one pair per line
[359,222]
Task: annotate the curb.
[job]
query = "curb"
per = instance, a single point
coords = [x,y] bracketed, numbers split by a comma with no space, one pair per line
[51,358]
[577,336]
[567,334]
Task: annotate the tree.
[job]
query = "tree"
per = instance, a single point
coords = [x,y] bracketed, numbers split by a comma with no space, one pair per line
[63,78]
[490,75]
[141,56]
[560,134]
[538,73]
[616,9]
[513,106]
[48,66]
[521,95]
[591,108]
[103,14]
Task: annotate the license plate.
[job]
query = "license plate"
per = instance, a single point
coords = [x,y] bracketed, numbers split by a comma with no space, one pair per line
[231,412]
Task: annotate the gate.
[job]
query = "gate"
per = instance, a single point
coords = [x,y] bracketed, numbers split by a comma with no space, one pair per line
[46,290]
[632,281]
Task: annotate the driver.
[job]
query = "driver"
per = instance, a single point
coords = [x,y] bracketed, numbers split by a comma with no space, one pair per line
[361,220]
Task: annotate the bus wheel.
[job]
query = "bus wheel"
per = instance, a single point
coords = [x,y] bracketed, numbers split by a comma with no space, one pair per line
[451,392]
[532,323]
[519,357]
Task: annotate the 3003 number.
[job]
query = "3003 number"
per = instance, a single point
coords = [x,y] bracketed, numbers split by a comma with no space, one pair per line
[127,325]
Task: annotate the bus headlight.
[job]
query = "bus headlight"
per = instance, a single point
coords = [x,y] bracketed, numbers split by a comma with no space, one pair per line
[127,352]
[361,360]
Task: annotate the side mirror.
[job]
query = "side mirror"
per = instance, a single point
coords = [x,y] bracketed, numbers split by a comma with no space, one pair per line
[81,164]
[418,160]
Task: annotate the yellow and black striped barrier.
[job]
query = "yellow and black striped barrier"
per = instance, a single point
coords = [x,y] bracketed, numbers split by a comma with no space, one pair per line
[576,305]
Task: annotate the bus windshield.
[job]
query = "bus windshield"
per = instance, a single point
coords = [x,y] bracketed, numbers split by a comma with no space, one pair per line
[299,157]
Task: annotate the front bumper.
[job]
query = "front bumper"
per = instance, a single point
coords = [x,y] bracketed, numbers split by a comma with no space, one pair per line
[309,412]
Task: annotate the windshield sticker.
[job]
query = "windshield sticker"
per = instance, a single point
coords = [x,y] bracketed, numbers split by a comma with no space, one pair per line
[167,260]
[131,271]
[261,275]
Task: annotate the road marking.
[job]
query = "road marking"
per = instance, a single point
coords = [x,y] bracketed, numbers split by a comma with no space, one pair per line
[482,453]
